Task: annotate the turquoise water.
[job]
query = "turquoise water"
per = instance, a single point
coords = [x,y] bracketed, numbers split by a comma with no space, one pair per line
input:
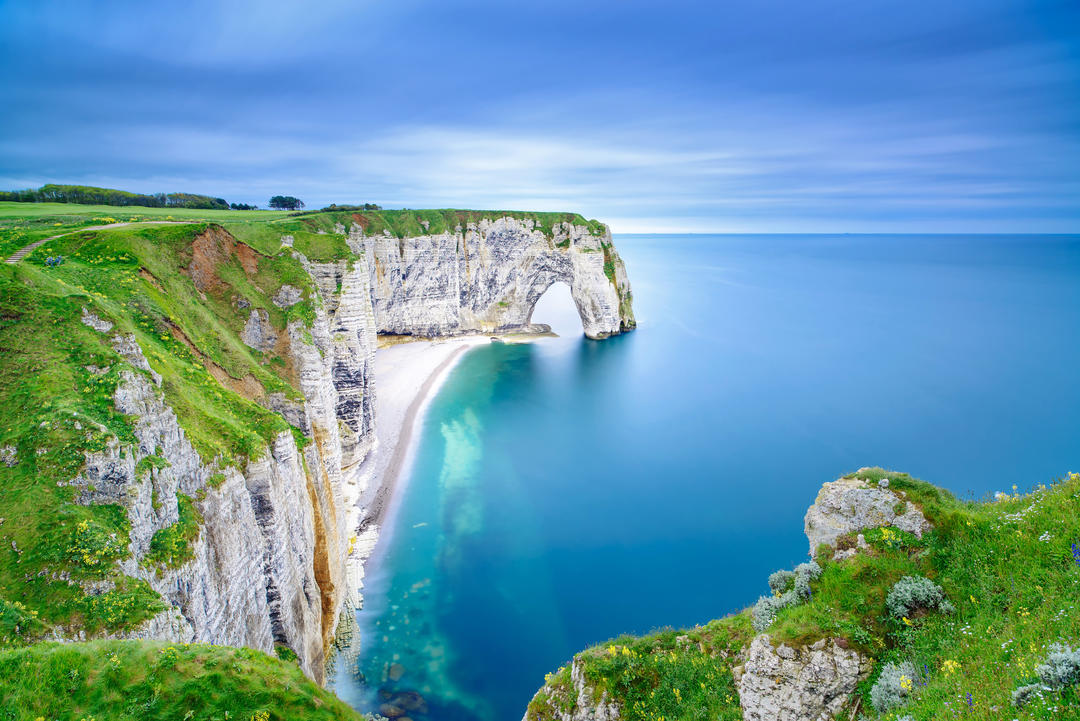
[568,491]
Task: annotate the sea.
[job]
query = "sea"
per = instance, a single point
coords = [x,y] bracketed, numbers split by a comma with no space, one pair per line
[567,491]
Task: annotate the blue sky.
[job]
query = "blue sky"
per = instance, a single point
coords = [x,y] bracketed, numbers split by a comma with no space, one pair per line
[742,115]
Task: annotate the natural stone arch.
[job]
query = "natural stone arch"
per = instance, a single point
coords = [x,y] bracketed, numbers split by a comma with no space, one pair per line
[488,277]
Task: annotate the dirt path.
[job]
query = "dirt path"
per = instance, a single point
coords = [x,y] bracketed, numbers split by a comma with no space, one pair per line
[28,249]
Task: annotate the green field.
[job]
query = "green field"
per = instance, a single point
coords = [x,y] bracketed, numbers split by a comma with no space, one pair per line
[9,209]
[25,223]
[152,680]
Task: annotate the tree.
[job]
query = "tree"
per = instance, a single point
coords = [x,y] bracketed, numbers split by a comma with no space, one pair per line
[286,202]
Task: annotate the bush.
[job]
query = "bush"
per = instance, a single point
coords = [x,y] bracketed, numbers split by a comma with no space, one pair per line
[1023,695]
[1062,667]
[893,686]
[916,592]
[767,607]
[780,581]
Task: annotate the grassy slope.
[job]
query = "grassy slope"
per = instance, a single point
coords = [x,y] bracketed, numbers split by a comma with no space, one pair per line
[128,680]
[134,276]
[1006,565]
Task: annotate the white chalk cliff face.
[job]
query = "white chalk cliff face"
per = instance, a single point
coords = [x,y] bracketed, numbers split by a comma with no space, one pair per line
[277,561]
[488,276]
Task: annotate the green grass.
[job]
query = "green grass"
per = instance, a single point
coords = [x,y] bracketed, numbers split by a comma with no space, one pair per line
[170,547]
[9,209]
[670,674]
[1007,566]
[314,231]
[143,681]
[25,223]
[404,223]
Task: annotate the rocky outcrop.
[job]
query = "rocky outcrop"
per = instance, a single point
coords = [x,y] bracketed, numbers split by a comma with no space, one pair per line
[578,702]
[814,682]
[258,333]
[850,505]
[488,276]
[806,684]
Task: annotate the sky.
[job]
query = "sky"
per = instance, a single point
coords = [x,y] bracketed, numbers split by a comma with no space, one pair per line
[720,116]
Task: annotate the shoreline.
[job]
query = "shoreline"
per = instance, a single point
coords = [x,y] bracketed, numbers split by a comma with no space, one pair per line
[401,404]
[396,435]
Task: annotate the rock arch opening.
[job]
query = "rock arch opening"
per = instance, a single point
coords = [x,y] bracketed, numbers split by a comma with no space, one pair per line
[556,309]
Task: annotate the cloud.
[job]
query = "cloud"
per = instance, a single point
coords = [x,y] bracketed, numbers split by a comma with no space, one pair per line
[733,116]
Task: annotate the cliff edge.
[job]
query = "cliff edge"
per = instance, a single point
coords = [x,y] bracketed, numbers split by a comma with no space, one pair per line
[915,606]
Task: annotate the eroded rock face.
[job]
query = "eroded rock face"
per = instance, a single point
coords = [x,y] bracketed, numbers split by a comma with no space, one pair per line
[488,277]
[851,504]
[258,333]
[221,596]
[271,563]
[807,684]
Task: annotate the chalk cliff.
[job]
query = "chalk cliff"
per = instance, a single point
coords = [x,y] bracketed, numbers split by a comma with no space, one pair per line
[275,561]
[487,277]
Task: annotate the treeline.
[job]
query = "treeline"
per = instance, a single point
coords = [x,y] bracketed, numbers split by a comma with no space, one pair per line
[89,195]
[343,208]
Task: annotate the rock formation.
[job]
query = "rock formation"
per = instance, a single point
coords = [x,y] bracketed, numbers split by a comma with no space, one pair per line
[488,276]
[851,504]
[804,684]
[813,682]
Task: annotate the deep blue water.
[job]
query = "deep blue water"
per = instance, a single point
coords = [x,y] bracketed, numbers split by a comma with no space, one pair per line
[569,491]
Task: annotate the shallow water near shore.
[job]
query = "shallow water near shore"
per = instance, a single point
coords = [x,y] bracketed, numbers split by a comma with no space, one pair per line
[567,491]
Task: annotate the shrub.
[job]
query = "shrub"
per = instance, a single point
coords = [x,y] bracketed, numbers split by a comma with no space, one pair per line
[767,607]
[1062,667]
[893,686]
[915,592]
[1024,695]
[780,581]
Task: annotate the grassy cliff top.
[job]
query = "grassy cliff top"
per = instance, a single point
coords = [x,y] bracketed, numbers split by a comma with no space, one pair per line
[24,223]
[1011,568]
[145,680]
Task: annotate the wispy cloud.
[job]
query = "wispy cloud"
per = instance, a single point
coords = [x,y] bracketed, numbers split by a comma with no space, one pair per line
[896,117]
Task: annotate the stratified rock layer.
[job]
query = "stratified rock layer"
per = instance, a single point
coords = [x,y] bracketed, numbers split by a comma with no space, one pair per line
[488,276]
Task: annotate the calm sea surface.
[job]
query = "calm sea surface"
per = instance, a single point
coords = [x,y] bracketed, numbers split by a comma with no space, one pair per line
[568,491]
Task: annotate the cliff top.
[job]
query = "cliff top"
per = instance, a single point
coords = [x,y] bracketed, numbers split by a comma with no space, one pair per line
[1009,570]
[23,223]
